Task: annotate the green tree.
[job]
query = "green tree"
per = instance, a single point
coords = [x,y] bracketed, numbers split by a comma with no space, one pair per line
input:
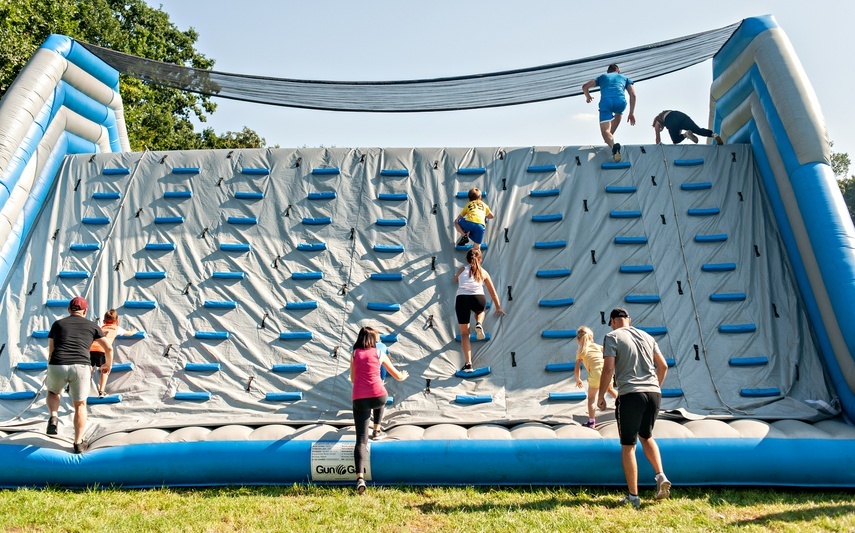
[158,118]
[840,166]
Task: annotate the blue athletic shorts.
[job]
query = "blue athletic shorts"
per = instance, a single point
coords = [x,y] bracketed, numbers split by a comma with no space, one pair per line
[475,231]
[609,107]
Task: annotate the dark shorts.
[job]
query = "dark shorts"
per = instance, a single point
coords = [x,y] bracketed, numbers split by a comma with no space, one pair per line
[636,414]
[466,303]
[97,358]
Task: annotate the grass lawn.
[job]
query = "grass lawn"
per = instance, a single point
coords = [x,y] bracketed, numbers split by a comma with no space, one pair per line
[428,509]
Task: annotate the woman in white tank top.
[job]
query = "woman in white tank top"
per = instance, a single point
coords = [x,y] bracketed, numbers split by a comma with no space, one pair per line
[471,280]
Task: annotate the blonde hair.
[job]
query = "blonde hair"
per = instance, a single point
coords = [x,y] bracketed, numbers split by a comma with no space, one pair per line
[586,336]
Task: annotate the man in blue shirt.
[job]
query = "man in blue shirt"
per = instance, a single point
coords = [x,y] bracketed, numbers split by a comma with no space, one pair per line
[612,86]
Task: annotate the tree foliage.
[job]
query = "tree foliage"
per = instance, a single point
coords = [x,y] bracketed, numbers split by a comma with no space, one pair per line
[840,166]
[158,118]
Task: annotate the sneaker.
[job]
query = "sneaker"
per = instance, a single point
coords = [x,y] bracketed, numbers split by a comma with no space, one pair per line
[378,435]
[101,394]
[717,138]
[479,332]
[51,425]
[467,367]
[80,447]
[463,240]
[589,424]
[663,487]
[360,486]
[616,152]
[629,500]
[691,136]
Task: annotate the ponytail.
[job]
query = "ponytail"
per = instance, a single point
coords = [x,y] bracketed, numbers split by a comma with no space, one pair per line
[473,257]
[586,336]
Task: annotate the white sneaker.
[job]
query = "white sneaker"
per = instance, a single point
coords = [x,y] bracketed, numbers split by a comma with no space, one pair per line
[663,487]
[691,136]
[629,500]
[479,332]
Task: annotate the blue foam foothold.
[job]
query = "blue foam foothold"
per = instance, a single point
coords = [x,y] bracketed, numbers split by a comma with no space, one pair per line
[301,306]
[121,367]
[615,166]
[391,221]
[625,214]
[715,237]
[58,303]
[642,298]
[759,360]
[316,221]
[672,393]
[548,245]
[554,217]
[390,338]
[322,195]
[249,195]
[636,269]
[220,304]
[698,186]
[475,373]
[388,248]
[255,171]
[228,275]
[212,335]
[283,396]
[150,275]
[621,189]
[399,172]
[135,336]
[670,361]
[537,169]
[110,398]
[107,195]
[559,273]
[295,335]
[703,211]
[235,247]
[140,304]
[95,221]
[243,221]
[718,267]
[290,368]
[471,400]
[558,334]
[653,330]
[307,275]
[185,170]
[390,400]
[387,276]
[760,392]
[202,367]
[85,246]
[688,162]
[32,366]
[543,193]
[73,274]
[630,240]
[561,367]
[464,195]
[115,171]
[160,246]
[574,396]
[18,395]
[470,171]
[737,328]
[193,396]
[727,297]
[40,334]
[169,220]
[178,195]
[473,337]
[564,302]
[312,246]
[385,307]
[393,196]
[469,246]
[329,171]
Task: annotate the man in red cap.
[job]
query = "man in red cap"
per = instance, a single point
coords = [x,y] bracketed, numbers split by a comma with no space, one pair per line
[68,364]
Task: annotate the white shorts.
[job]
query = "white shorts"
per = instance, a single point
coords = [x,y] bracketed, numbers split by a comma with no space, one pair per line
[76,376]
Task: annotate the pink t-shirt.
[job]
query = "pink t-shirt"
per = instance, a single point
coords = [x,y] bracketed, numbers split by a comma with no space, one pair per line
[366,374]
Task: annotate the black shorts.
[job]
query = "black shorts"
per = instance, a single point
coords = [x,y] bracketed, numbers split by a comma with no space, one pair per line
[466,303]
[636,414]
[98,358]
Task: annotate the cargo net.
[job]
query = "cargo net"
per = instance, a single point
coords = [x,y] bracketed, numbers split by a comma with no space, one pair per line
[496,89]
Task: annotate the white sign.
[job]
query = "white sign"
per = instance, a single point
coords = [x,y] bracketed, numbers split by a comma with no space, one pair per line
[333,461]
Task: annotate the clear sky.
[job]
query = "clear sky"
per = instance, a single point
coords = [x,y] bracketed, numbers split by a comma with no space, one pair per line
[382,40]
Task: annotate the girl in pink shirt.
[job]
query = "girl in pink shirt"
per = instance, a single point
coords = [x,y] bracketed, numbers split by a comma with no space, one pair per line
[369,394]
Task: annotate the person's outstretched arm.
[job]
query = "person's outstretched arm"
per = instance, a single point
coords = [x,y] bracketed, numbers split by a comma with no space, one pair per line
[585,88]
[399,375]
[631,118]
[492,290]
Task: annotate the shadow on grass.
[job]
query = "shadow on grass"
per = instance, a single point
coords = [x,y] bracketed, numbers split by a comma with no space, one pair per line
[799,515]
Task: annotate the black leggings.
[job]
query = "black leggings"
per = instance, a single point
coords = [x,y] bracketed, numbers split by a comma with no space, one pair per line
[362,410]
[676,122]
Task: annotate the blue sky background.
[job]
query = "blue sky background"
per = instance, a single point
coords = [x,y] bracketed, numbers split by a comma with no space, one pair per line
[394,40]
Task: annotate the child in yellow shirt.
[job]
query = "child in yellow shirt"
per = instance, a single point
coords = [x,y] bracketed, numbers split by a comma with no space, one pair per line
[471,223]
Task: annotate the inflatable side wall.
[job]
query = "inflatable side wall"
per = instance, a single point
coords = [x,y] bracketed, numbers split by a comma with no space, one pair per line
[64,101]
[761,95]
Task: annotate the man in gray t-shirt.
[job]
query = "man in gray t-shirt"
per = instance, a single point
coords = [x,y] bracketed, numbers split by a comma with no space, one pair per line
[635,361]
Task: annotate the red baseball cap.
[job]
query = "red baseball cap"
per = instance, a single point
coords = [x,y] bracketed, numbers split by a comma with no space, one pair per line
[78,303]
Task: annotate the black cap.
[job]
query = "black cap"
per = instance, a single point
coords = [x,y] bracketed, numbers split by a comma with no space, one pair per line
[618,312]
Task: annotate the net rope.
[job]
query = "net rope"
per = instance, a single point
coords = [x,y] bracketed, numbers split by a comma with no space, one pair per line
[496,89]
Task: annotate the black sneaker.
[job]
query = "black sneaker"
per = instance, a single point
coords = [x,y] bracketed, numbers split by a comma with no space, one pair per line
[101,394]
[589,424]
[378,435]
[616,152]
[51,425]
[467,367]
[360,486]
[80,447]
[463,240]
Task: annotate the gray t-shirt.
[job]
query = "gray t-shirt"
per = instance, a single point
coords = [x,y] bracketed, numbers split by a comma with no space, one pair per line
[633,351]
